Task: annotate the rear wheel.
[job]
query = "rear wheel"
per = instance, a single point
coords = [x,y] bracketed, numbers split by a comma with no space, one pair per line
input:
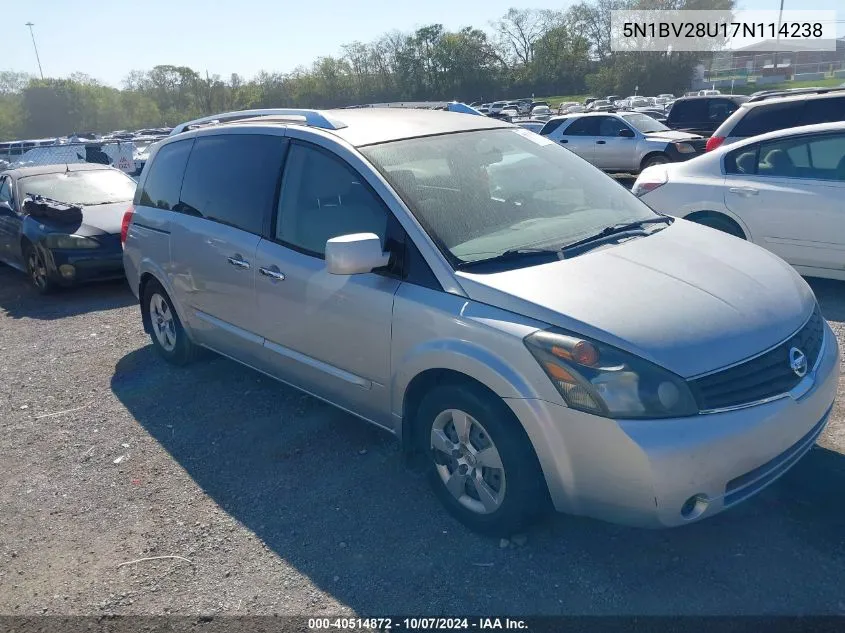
[169,337]
[36,268]
[480,463]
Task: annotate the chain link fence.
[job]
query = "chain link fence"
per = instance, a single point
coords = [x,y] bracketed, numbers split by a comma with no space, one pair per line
[128,156]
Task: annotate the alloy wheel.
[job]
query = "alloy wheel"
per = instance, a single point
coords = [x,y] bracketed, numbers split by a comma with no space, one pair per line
[37,269]
[468,461]
[164,325]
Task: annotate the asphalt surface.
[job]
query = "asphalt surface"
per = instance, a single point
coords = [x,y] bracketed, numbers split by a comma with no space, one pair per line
[282,504]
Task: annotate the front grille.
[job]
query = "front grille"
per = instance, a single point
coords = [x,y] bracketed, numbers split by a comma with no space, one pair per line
[761,377]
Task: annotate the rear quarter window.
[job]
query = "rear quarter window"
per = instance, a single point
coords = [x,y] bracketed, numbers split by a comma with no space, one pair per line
[742,161]
[551,126]
[164,181]
[688,111]
[768,117]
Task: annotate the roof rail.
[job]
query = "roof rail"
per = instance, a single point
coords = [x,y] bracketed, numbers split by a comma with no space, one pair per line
[791,92]
[314,118]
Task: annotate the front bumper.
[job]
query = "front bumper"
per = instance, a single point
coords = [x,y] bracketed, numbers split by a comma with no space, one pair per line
[645,472]
[69,267]
[677,157]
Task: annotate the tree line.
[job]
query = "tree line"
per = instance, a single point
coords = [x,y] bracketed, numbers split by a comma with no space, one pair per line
[525,52]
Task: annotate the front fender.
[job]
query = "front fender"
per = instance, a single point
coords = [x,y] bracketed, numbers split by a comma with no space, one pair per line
[462,357]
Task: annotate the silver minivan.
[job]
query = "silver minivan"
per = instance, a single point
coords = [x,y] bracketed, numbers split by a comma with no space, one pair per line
[533,334]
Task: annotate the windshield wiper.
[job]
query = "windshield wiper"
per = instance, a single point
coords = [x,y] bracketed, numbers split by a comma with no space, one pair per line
[512,255]
[609,232]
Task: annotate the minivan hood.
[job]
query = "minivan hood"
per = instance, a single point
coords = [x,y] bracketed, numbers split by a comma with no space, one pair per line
[688,297]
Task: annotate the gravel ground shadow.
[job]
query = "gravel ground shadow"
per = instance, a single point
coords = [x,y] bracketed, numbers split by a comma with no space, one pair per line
[831,296]
[19,300]
[330,495]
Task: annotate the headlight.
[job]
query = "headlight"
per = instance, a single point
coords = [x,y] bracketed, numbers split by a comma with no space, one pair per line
[57,240]
[606,381]
[685,148]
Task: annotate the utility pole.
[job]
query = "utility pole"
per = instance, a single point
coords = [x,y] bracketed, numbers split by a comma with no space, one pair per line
[35,46]
[777,40]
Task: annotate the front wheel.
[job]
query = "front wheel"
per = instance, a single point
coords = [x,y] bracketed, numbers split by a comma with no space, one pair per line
[657,159]
[36,268]
[481,464]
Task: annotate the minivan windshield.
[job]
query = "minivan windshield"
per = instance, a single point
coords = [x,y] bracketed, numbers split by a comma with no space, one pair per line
[98,186]
[482,194]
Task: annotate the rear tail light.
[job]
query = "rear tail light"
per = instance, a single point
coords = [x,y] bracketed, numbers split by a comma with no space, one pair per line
[124,225]
[713,142]
[649,180]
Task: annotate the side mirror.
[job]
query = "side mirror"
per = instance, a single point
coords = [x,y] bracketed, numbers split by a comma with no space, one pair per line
[354,254]
[626,133]
[6,209]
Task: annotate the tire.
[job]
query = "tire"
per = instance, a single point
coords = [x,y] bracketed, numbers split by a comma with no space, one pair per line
[721,223]
[499,494]
[168,336]
[655,159]
[36,271]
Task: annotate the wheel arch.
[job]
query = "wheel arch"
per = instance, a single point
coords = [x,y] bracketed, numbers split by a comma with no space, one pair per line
[423,383]
[149,274]
[652,154]
[697,216]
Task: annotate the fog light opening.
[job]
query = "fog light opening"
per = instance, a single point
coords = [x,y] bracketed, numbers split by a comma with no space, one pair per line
[67,271]
[694,507]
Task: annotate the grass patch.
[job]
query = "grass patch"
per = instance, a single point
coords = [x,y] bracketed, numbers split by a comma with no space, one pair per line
[555,101]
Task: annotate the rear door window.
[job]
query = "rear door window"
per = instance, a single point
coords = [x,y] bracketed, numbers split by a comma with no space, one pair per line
[233,178]
[826,110]
[808,157]
[585,126]
[162,185]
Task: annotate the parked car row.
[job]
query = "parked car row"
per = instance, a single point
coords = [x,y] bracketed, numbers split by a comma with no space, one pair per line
[517,107]
[406,266]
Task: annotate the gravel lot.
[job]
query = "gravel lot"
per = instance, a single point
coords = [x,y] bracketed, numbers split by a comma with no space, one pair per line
[285,505]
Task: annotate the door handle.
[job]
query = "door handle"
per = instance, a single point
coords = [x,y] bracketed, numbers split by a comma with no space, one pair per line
[273,273]
[563,140]
[238,261]
[600,142]
[744,191]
